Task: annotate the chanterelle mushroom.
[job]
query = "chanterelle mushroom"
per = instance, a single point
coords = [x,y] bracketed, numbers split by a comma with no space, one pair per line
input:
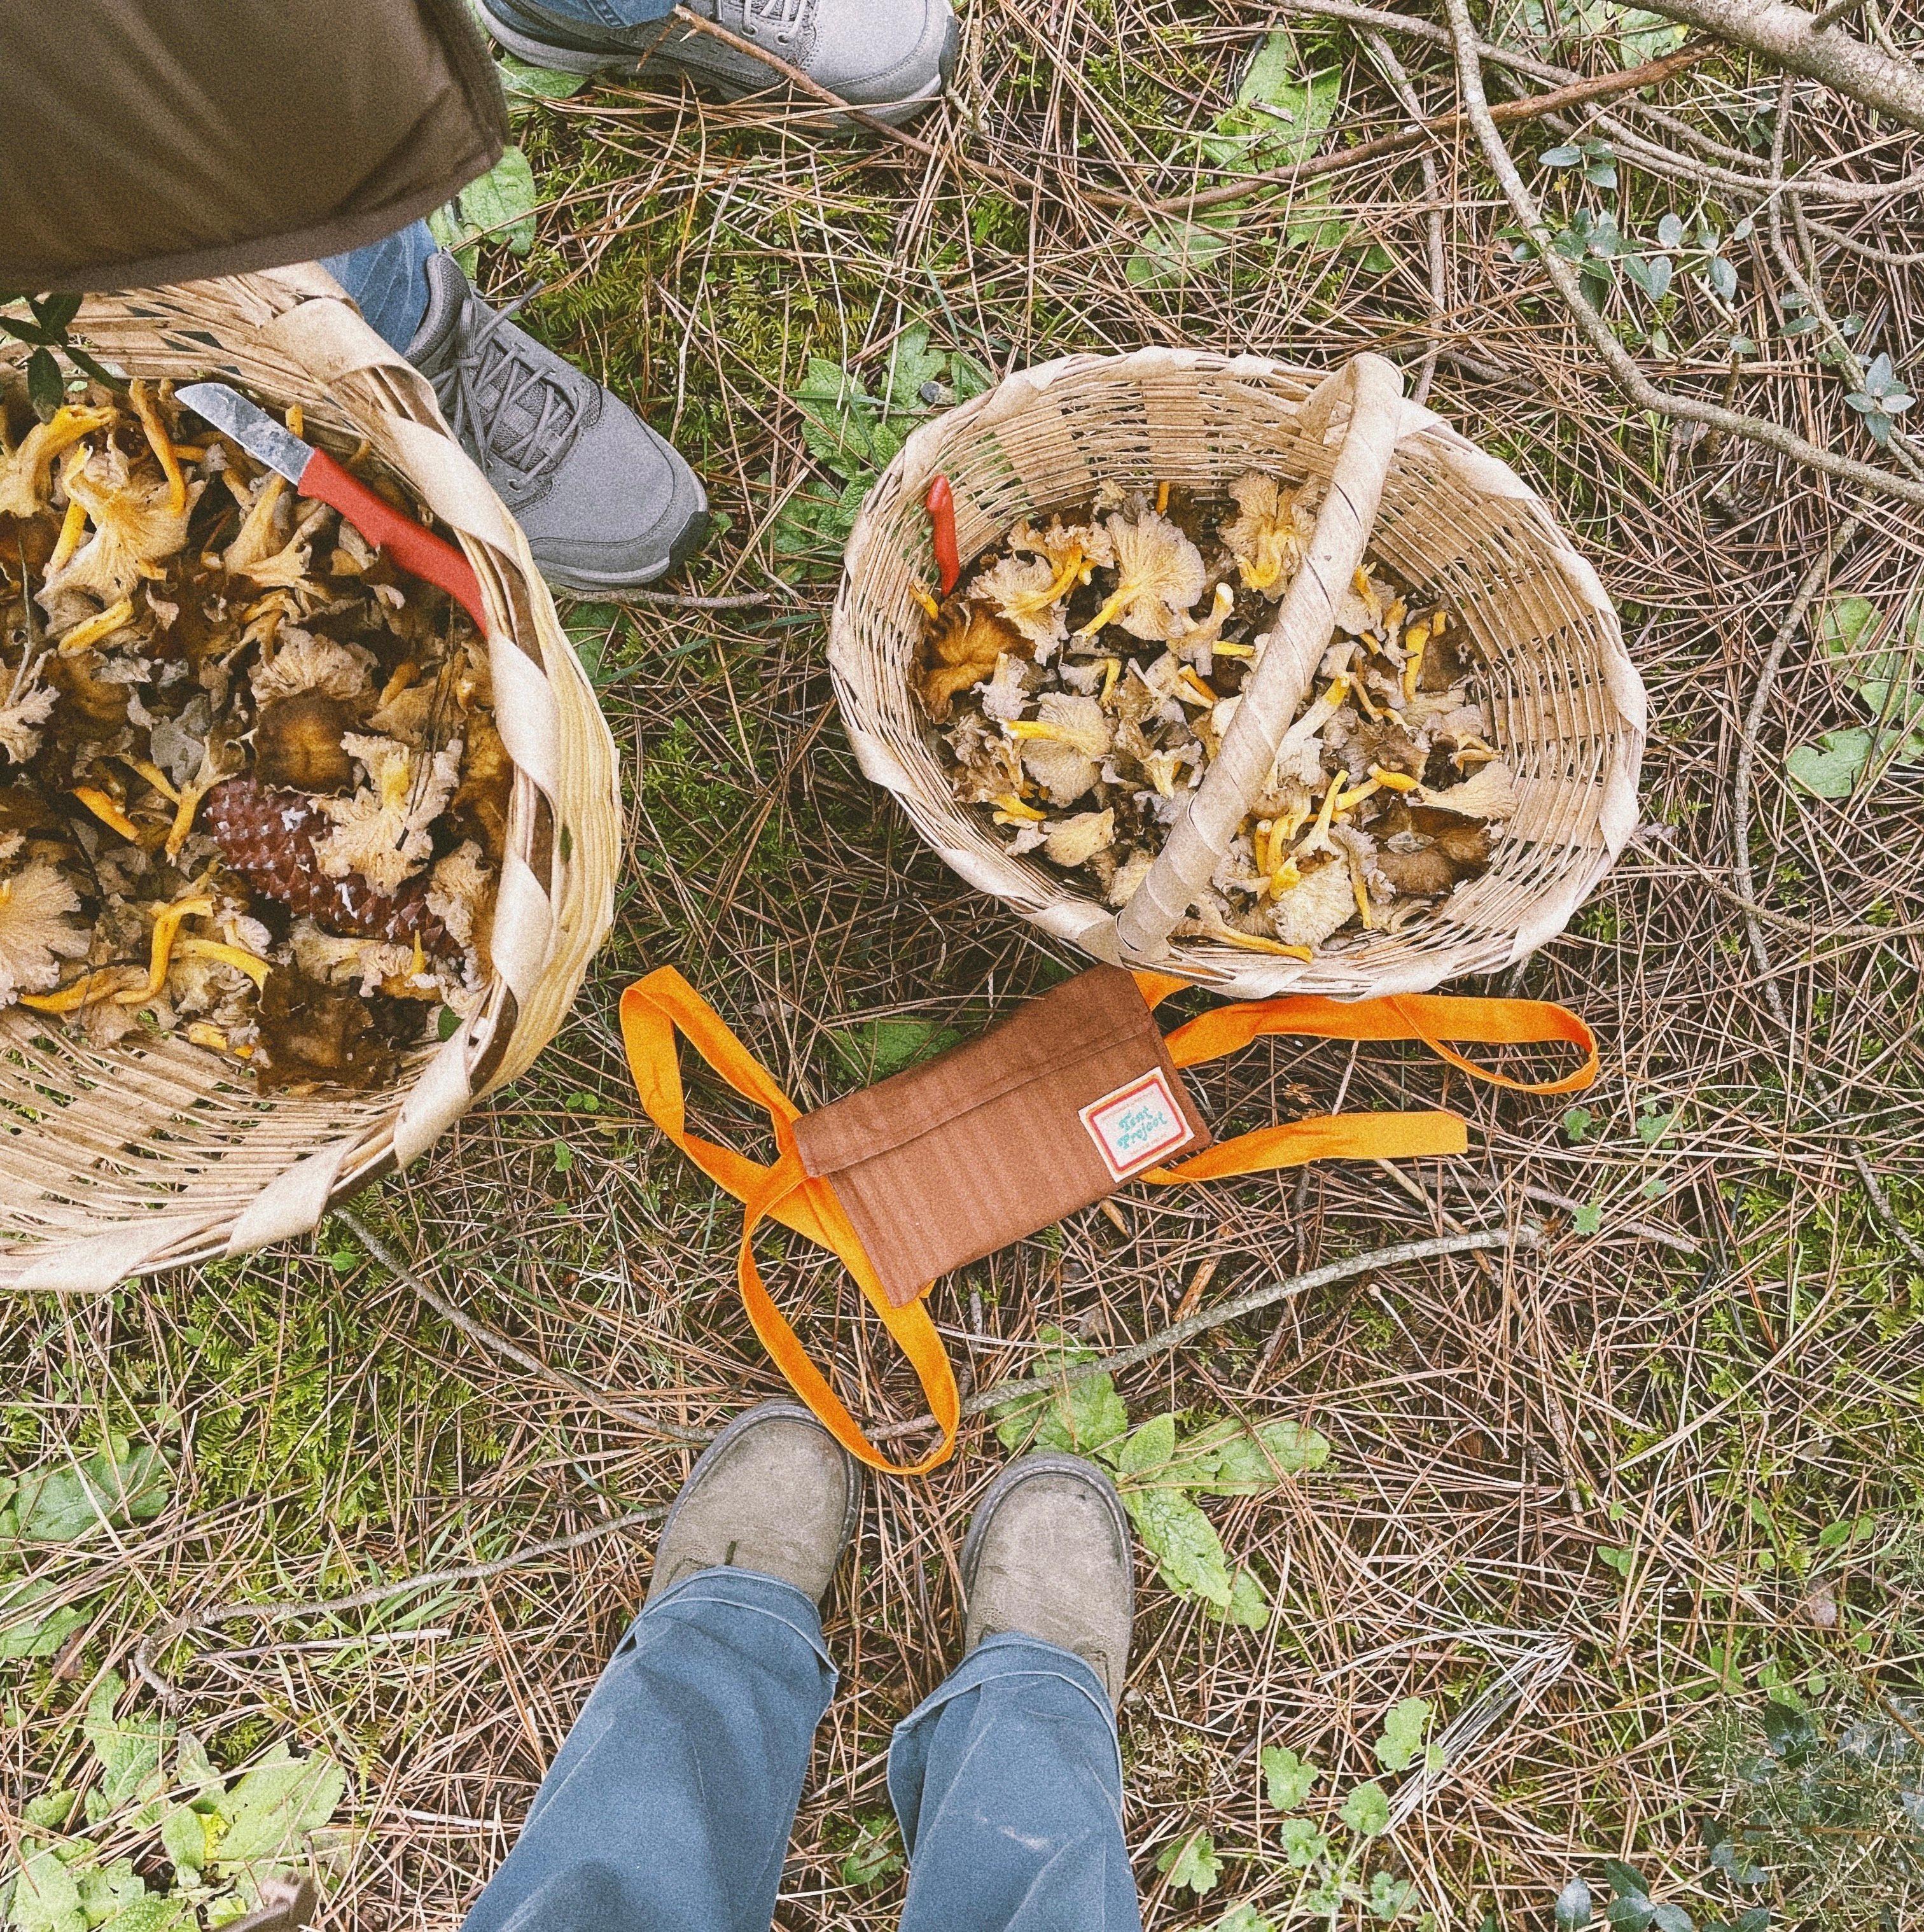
[135,528]
[383,832]
[1270,537]
[26,476]
[1160,575]
[35,903]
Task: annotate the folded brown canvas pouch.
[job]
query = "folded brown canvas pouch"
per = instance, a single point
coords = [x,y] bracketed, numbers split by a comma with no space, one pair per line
[1046,1113]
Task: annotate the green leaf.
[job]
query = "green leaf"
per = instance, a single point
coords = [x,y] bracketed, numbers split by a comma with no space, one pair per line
[1228,1459]
[1577,1122]
[1653,1125]
[183,1837]
[876,1048]
[1832,766]
[912,363]
[1302,1843]
[1086,1416]
[1366,1810]
[523,84]
[46,1896]
[1402,1742]
[1150,1448]
[498,209]
[1184,1543]
[60,1502]
[1588,1219]
[1287,1778]
[31,1634]
[1624,1880]
[1191,1862]
[129,1752]
[596,631]
[1248,1603]
[1243,1918]
[1390,1896]
[877,1854]
[273,1807]
[1173,251]
[107,1891]
[151,1913]
[1573,1907]
[46,388]
[49,1811]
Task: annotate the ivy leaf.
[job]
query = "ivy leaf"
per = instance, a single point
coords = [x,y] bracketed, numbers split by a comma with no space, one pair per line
[1287,1778]
[275,1805]
[1302,1843]
[1366,1811]
[1402,1743]
[1184,1543]
[1191,1862]
[1573,1902]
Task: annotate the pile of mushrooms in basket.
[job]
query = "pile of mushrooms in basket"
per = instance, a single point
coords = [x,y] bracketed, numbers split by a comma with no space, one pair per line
[1080,678]
[251,793]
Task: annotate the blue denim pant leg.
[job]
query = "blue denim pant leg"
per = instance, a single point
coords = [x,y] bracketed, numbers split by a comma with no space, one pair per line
[608,12]
[669,1805]
[1008,1783]
[389,281]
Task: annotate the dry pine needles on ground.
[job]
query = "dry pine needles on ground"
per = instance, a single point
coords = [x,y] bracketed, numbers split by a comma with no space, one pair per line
[1678,1433]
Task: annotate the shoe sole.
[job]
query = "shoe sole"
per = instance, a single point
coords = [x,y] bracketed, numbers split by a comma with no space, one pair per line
[581,61]
[752,1418]
[1047,1462]
[587,583]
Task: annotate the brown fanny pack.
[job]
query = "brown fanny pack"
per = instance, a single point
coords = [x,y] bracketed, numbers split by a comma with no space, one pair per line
[1047,1112]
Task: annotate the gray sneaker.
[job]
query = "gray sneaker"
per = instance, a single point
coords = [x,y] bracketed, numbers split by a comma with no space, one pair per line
[891,57]
[773,1492]
[1049,1556]
[605,503]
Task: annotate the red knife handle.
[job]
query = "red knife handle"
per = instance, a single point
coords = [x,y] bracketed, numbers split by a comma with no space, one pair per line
[411,545]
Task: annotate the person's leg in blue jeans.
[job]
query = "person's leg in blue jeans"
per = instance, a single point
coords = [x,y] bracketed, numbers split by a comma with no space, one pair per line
[1007,1781]
[668,1806]
[389,281]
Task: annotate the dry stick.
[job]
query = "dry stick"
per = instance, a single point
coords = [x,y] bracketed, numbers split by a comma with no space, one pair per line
[1622,364]
[1793,38]
[1530,107]
[285,1612]
[1812,581]
[686,600]
[479,1332]
[1480,1240]
[1385,56]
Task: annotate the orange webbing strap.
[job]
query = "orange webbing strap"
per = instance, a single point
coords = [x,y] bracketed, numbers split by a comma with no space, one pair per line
[653,1011]
[1434,1018]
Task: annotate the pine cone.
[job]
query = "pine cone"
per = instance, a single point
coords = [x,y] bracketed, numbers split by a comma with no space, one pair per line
[268,836]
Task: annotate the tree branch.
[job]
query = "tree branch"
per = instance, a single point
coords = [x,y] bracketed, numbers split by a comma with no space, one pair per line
[1621,363]
[1796,39]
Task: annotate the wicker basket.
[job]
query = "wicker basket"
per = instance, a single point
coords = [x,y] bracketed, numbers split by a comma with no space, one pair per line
[1569,707]
[143,1157]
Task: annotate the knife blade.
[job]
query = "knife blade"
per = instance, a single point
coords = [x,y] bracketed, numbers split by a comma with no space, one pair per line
[314,473]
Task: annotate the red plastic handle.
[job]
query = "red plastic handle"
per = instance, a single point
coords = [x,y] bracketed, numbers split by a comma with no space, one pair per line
[940,505]
[412,545]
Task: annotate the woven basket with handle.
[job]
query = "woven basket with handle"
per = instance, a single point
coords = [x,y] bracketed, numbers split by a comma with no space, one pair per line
[148,1155]
[1446,516]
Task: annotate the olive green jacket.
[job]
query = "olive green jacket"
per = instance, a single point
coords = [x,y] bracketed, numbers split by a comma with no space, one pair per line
[144,142]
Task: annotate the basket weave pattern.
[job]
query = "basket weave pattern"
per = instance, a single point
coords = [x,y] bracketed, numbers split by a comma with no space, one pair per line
[1569,707]
[147,1155]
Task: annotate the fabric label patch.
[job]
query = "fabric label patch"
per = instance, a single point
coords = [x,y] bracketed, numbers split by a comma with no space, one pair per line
[1137,1126]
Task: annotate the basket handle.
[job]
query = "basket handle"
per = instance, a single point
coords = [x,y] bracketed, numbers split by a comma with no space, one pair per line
[1303,628]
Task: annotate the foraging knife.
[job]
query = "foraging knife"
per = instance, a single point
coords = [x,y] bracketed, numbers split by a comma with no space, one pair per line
[314,473]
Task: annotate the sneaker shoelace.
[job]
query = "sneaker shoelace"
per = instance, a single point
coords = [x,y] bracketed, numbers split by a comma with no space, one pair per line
[502,402]
[780,17]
